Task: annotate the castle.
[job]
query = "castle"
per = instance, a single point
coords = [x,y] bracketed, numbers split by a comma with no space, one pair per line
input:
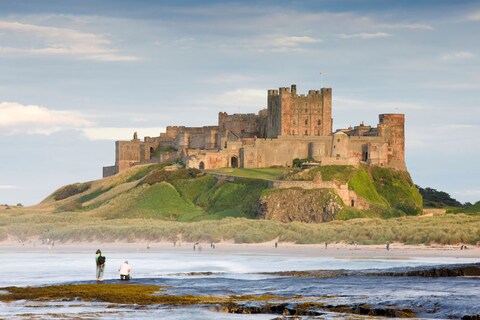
[293,126]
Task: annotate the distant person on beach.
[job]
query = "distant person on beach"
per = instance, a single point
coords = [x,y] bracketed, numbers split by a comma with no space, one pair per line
[125,271]
[148,246]
[388,246]
[100,260]
[326,245]
[276,244]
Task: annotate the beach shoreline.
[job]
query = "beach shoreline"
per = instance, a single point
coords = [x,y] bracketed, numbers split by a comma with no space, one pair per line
[333,250]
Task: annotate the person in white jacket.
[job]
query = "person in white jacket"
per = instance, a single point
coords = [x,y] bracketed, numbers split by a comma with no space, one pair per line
[125,271]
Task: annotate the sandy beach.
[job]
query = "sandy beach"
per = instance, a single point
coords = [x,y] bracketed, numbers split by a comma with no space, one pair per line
[333,250]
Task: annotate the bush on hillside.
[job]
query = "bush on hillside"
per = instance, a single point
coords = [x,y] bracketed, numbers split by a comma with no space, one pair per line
[437,199]
[71,190]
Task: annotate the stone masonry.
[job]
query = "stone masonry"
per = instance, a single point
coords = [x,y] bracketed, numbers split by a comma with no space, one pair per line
[292,126]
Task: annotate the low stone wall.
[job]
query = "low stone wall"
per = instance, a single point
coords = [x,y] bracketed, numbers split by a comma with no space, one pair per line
[333,161]
[434,211]
[109,171]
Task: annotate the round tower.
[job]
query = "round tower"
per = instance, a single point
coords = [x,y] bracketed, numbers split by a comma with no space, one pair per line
[340,142]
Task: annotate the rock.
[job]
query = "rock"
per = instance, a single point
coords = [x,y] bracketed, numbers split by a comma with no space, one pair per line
[296,204]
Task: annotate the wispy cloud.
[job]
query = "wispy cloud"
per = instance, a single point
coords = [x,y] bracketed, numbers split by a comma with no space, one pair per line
[385,106]
[474,16]
[255,99]
[460,55]
[33,119]
[228,78]
[7,186]
[364,35]
[53,41]
[279,43]
[408,25]
[452,85]
[114,133]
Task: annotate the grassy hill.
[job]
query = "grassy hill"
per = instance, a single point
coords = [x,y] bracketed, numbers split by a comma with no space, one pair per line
[152,191]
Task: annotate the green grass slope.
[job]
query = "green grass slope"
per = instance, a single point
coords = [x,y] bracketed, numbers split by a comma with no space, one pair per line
[192,195]
[152,192]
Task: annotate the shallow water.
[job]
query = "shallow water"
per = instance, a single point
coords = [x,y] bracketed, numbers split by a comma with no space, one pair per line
[233,274]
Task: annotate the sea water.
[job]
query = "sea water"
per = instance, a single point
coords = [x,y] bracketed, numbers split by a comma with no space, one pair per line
[232,273]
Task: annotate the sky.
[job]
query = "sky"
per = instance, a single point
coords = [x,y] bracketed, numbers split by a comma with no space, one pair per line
[77,75]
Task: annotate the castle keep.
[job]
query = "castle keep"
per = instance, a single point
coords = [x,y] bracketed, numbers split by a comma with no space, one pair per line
[293,126]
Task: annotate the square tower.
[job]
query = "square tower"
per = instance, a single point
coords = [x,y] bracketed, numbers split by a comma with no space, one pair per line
[290,114]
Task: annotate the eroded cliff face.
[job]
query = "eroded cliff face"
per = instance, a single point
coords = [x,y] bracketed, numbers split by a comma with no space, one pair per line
[295,204]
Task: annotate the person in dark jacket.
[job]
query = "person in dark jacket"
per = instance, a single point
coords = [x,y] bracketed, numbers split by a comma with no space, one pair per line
[100,261]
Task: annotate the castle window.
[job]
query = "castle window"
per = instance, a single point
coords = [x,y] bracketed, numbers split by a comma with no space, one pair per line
[318,133]
[318,122]
[306,121]
[306,132]
[352,202]
[306,110]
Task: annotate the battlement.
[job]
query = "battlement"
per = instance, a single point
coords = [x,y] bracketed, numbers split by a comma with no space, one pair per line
[292,91]
[392,118]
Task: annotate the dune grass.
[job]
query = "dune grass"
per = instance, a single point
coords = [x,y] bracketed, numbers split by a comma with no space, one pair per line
[27,223]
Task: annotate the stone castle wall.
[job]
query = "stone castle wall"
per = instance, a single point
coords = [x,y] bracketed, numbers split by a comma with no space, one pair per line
[293,126]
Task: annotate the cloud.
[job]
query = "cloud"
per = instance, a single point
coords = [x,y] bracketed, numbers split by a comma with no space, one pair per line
[279,43]
[457,138]
[17,118]
[113,133]
[386,106]
[460,55]
[452,86]
[414,26]
[241,98]
[7,186]
[52,41]
[365,35]
[474,16]
[228,78]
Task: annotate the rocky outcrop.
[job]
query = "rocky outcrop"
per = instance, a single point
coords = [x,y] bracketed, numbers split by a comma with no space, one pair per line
[313,309]
[296,204]
[463,270]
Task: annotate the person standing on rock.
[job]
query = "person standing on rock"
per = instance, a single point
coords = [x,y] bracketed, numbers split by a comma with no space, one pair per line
[100,261]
